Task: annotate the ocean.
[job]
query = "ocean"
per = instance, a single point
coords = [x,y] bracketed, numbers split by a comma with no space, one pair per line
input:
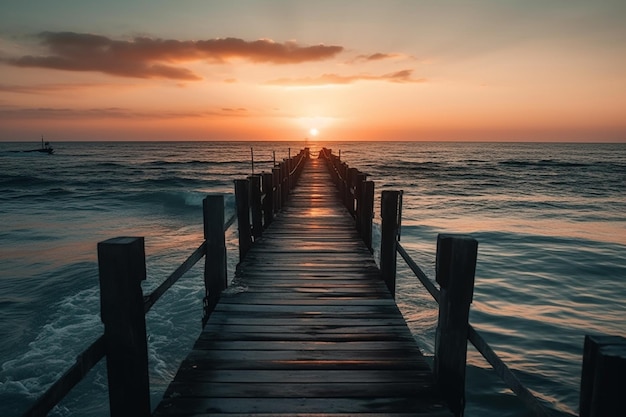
[550,219]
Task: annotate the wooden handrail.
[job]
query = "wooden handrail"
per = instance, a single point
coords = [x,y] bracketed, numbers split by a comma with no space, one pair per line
[89,357]
[86,360]
[356,193]
[503,371]
[152,298]
[426,282]
[260,196]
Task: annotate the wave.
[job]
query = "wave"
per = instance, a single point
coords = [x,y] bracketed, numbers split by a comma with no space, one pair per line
[193,163]
[544,163]
[19,181]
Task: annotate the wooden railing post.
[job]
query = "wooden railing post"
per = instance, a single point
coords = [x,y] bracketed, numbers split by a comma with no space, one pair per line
[243,216]
[349,198]
[122,267]
[215,276]
[455,268]
[268,200]
[277,188]
[284,183]
[367,213]
[603,380]
[288,170]
[389,211]
[358,196]
[255,206]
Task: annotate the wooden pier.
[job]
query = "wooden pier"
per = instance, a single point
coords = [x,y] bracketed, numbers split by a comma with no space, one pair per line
[308,329]
[309,326]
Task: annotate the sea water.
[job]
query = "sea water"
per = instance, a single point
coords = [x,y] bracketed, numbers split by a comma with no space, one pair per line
[550,220]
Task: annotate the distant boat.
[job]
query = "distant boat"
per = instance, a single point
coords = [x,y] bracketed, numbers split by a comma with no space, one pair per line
[45,148]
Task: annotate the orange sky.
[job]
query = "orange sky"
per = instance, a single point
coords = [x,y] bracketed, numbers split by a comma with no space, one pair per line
[273,70]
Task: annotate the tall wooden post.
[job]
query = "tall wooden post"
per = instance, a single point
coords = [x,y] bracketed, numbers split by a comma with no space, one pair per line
[603,380]
[255,206]
[367,213]
[122,267]
[243,217]
[389,210]
[341,186]
[455,269]
[359,180]
[277,188]
[288,164]
[349,197]
[284,183]
[268,200]
[215,275]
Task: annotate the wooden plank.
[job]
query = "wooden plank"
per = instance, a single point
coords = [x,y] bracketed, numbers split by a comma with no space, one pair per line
[308,327]
[302,376]
[303,332]
[290,406]
[325,389]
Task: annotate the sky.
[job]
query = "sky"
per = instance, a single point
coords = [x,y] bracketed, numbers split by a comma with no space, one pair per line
[499,70]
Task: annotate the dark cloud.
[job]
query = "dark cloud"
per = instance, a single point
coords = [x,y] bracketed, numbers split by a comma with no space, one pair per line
[55,113]
[51,88]
[404,76]
[144,57]
[379,56]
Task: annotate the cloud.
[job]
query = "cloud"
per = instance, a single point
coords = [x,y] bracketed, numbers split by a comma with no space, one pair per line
[117,113]
[144,57]
[404,76]
[379,56]
[234,110]
[52,88]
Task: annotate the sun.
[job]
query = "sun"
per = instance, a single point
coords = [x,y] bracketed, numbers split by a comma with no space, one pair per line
[313,131]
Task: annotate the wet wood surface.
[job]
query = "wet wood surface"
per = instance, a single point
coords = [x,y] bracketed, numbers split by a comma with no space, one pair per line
[308,327]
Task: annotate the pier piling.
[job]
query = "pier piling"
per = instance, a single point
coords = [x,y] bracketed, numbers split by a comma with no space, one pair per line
[215,278]
[122,267]
[455,268]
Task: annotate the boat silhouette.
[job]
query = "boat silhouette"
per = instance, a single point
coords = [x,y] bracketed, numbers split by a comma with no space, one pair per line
[45,148]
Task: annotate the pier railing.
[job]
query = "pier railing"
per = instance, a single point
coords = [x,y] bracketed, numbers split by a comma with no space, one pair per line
[355,191]
[260,196]
[604,357]
[122,267]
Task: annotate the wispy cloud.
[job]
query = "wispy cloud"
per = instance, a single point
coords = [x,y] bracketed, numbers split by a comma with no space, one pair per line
[378,56]
[404,76]
[52,88]
[144,57]
[56,113]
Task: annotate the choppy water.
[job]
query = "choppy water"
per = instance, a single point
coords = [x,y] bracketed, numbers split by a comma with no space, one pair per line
[550,220]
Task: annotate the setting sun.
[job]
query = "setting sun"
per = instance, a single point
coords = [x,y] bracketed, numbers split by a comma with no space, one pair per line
[333,70]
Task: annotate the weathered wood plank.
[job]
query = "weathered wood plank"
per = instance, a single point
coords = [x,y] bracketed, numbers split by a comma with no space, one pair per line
[303,376]
[326,389]
[290,406]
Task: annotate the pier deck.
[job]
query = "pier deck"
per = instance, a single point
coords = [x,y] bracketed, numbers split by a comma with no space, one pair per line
[309,328]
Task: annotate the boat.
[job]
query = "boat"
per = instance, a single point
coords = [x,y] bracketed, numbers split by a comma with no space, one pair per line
[45,148]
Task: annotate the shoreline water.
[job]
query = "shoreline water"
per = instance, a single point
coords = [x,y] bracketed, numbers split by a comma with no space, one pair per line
[543,276]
